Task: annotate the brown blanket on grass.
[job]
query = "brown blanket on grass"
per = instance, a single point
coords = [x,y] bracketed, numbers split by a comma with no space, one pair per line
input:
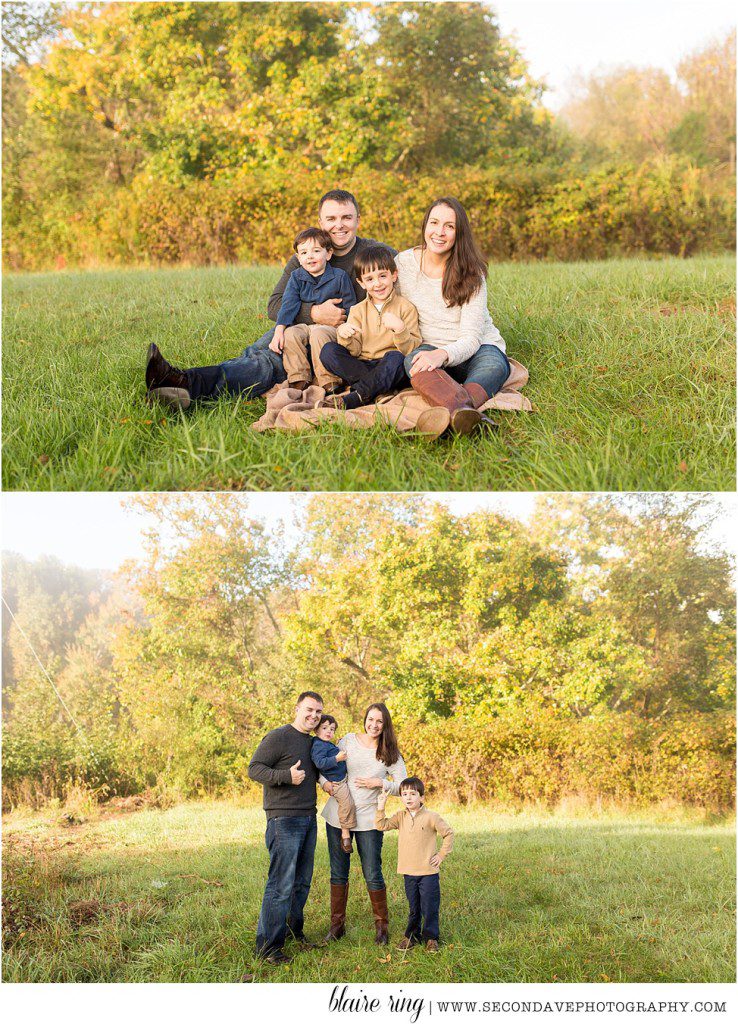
[290,409]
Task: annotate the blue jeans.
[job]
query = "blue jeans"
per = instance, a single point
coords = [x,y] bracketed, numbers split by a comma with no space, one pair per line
[369,845]
[489,366]
[255,371]
[367,377]
[291,845]
[424,896]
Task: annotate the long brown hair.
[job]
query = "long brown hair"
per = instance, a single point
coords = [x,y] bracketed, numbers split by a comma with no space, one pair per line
[387,750]
[466,269]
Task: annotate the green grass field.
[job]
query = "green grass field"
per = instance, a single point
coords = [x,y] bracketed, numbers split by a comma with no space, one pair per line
[174,895]
[631,362]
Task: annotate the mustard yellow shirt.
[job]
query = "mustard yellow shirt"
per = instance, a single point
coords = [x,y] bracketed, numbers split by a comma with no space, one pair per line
[417,840]
[371,338]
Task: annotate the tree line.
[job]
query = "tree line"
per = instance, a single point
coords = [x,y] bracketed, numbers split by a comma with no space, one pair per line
[110,109]
[589,651]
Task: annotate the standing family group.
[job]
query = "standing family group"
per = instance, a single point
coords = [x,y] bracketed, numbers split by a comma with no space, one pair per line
[359,773]
[363,320]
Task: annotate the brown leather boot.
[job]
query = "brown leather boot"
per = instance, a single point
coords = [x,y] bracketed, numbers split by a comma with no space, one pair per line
[378,899]
[339,898]
[441,391]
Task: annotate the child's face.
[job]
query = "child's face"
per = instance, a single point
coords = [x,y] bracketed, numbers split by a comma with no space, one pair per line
[312,256]
[411,799]
[378,284]
[326,731]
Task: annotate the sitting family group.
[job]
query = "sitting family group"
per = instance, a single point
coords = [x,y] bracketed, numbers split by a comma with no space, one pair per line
[359,773]
[364,320]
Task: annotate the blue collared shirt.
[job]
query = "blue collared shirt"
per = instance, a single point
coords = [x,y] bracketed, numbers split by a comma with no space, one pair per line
[303,287]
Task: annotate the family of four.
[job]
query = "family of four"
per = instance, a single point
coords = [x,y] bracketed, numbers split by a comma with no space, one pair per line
[364,320]
[359,773]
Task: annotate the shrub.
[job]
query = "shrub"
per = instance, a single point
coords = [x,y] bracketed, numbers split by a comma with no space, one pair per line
[666,206]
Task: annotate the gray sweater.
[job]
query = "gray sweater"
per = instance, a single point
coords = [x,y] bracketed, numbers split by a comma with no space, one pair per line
[270,765]
[345,262]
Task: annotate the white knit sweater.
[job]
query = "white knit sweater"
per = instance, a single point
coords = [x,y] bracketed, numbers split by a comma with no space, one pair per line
[458,329]
[362,763]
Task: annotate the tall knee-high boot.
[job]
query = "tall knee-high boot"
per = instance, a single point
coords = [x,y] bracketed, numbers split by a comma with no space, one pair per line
[378,899]
[454,406]
[339,898]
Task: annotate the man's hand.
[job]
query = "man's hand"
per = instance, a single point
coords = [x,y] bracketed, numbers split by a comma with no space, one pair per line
[382,802]
[297,773]
[436,860]
[277,342]
[328,313]
[328,787]
[431,359]
[342,756]
[394,322]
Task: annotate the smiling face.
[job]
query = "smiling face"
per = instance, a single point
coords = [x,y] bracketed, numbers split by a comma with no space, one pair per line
[374,723]
[378,284]
[326,731]
[440,231]
[341,221]
[313,256]
[307,714]
[411,799]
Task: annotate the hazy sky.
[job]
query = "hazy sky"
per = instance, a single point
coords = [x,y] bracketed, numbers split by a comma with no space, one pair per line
[560,38]
[94,531]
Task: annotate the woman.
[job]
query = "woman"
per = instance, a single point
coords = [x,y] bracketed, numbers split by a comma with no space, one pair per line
[462,361]
[371,758]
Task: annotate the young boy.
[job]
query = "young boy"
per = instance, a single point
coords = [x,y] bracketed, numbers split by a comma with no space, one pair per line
[418,860]
[314,281]
[370,348]
[330,760]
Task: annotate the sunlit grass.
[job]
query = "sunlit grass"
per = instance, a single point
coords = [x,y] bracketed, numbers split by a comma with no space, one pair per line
[631,362]
[532,896]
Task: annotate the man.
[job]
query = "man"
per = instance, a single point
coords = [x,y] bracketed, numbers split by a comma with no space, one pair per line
[282,764]
[258,368]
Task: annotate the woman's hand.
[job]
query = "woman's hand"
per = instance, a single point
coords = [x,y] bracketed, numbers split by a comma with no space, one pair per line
[327,787]
[370,783]
[428,359]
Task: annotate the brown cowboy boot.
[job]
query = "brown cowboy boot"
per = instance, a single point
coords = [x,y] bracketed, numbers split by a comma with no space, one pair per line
[454,406]
[339,898]
[378,899]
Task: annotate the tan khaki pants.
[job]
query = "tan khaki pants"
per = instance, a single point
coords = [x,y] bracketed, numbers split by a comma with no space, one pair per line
[342,793]
[300,338]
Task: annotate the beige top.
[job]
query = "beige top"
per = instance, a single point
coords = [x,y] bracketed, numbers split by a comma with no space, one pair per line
[458,329]
[371,339]
[362,763]
[417,840]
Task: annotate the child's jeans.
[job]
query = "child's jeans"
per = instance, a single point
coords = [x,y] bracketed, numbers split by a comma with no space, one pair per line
[346,805]
[298,341]
[424,896]
[367,377]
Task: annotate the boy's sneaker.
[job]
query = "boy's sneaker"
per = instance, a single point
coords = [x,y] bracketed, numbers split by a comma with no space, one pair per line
[431,946]
[407,943]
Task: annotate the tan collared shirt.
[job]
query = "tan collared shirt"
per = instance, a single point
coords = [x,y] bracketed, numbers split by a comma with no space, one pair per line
[372,338]
[417,840]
